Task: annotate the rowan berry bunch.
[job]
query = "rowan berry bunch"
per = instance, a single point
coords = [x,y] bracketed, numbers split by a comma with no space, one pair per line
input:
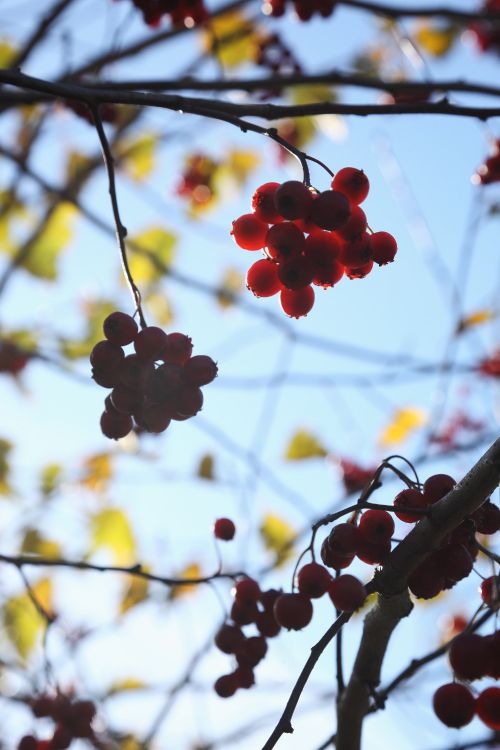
[487,33]
[491,365]
[278,59]
[304,9]
[159,382]
[181,12]
[310,239]
[73,720]
[489,171]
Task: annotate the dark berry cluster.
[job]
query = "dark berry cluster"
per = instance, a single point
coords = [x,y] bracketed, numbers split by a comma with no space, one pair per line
[196,183]
[304,9]
[455,705]
[277,58]
[181,12]
[310,238]
[491,365]
[159,382]
[12,359]
[489,171]
[73,719]
[487,33]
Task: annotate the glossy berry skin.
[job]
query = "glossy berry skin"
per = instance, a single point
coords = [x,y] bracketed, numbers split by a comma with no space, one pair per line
[313,580]
[115,426]
[333,559]
[344,539]
[356,253]
[353,183]
[436,487]
[120,328]
[468,656]
[178,349]
[200,370]
[247,591]
[490,591]
[454,705]
[297,302]
[150,343]
[347,593]
[293,200]
[229,639]
[355,227]
[331,210]
[383,247]
[106,356]
[262,278]
[409,498]
[359,272]
[296,273]
[226,686]
[249,232]
[376,526]
[263,203]
[487,518]
[224,529]
[488,707]
[284,241]
[293,611]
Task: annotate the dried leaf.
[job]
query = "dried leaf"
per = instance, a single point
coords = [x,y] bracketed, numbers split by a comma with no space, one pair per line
[232,39]
[35,544]
[304,445]
[436,40]
[98,471]
[50,479]
[475,319]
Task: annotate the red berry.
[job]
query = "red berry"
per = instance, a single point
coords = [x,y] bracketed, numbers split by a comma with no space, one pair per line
[134,372]
[249,232]
[247,591]
[409,498]
[266,624]
[115,426]
[487,518]
[124,399]
[28,742]
[226,686]
[293,611]
[488,707]
[373,553]
[263,203]
[42,706]
[331,210]
[454,705]
[150,343]
[347,593]
[383,247]
[333,559]
[376,526]
[61,739]
[360,271]
[313,580]
[468,656]
[344,539]
[356,253]
[427,579]
[163,383]
[245,676]
[120,328]
[243,613]
[106,356]
[490,591]
[262,278]
[353,183]
[437,487]
[296,273]
[322,250]
[251,651]
[284,241]
[355,227]
[293,200]
[297,302]
[188,400]
[200,370]
[178,349]
[224,529]
[229,638]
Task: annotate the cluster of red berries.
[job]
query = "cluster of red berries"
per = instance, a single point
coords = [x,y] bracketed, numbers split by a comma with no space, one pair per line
[144,391]
[489,171]
[355,477]
[455,705]
[491,365]
[487,33]
[73,719]
[12,359]
[304,9]
[196,183]
[276,57]
[181,12]
[337,240]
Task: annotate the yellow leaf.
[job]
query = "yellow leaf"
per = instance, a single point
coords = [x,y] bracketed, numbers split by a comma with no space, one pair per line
[50,479]
[230,286]
[369,602]
[159,306]
[304,445]
[193,570]
[44,251]
[138,155]
[151,252]
[12,211]
[403,423]
[5,449]
[7,52]
[35,544]
[130,743]
[277,536]
[231,38]
[22,621]
[475,319]
[136,592]
[111,529]
[127,684]
[98,471]
[436,40]
[206,467]
[76,163]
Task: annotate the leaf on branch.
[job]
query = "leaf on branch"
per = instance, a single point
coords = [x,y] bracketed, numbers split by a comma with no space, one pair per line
[137,155]
[206,467]
[475,319]
[22,621]
[5,450]
[277,536]
[7,52]
[126,685]
[50,479]
[193,570]
[44,251]
[152,251]
[403,423]
[304,445]
[35,544]
[230,286]
[232,39]
[435,39]
[97,472]
[110,529]
[136,591]
[95,311]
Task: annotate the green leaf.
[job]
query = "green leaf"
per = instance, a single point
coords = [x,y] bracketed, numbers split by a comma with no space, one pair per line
[151,252]
[44,251]
[232,39]
[304,445]
[22,621]
[110,529]
[35,544]
[138,155]
[5,449]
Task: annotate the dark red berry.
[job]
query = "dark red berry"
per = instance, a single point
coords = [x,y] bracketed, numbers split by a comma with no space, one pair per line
[245,676]
[229,638]
[356,253]
[251,651]
[115,426]
[293,200]
[313,580]
[490,591]
[409,498]
[468,656]
[353,183]
[106,356]
[224,529]
[263,203]
[355,227]
[333,559]
[178,349]
[249,232]
[331,210]
[488,707]
[199,370]
[437,487]
[359,272]
[296,273]
[62,738]
[454,705]
[189,400]
[344,539]
[427,579]
[247,591]
[347,593]
[293,611]
[120,328]
[284,241]
[150,343]
[297,302]
[226,686]
[376,526]
[487,518]
[383,247]
[262,278]
[28,742]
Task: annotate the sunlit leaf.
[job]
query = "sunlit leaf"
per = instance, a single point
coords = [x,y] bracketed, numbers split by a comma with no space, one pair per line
[230,286]
[50,479]
[130,743]
[110,529]
[7,52]
[193,570]
[151,252]
[97,472]
[304,445]
[436,40]
[95,312]
[126,685]
[44,251]
[22,621]
[136,592]
[277,536]
[35,544]
[231,38]
[475,319]
[160,307]
[138,155]
[403,423]
[5,449]
[206,467]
